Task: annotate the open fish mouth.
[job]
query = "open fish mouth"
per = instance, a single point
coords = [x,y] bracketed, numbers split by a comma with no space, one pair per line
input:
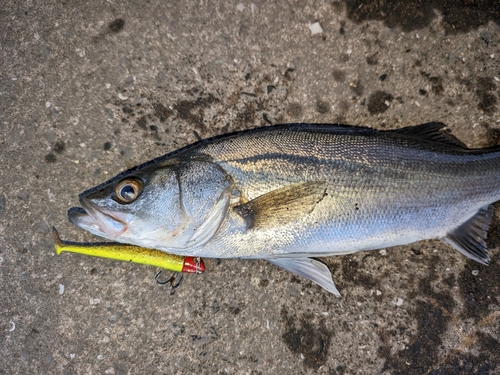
[97,220]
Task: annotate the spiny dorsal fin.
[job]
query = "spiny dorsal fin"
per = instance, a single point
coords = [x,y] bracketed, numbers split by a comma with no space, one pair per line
[431,131]
[283,205]
[469,238]
[308,268]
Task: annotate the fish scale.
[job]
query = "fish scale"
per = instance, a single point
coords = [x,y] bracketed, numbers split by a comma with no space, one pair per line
[291,192]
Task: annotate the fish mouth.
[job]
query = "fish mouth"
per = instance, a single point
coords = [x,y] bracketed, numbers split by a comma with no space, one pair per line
[97,220]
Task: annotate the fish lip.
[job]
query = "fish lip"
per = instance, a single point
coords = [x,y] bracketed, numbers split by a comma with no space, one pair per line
[94,209]
[97,220]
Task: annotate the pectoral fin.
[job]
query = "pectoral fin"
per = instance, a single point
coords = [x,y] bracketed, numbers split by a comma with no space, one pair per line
[283,205]
[308,268]
[469,238]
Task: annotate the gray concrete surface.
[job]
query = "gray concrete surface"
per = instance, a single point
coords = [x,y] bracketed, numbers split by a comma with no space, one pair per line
[88,89]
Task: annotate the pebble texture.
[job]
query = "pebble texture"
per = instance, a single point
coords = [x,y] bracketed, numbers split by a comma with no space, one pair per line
[88,89]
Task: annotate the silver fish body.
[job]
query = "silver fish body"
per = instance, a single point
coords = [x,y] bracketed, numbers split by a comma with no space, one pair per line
[291,192]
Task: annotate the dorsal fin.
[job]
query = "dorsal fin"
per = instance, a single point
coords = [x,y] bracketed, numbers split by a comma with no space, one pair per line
[283,205]
[431,131]
[469,238]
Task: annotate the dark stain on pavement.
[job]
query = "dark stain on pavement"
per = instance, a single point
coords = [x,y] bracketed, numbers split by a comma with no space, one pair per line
[432,313]
[353,273]
[117,25]
[485,88]
[436,312]
[339,75]
[294,109]
[458,16]
[468,363]
[306,335]
[480,288]
[193,110]
[162,112]
[377,102]
[114,27]
[357,88]
[322,107]
[50,158]
[59,147]
[436,82]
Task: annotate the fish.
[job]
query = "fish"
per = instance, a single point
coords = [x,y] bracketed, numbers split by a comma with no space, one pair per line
[294,192]
[130,253]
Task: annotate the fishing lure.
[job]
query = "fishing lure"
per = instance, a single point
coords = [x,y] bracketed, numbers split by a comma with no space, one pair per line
[131,253]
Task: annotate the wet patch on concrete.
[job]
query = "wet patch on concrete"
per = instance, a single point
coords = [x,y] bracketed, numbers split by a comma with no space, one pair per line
[193,110]
[306,335]
[2,204]
[372,60]
[322,107]
[458,16]
[294,109]
[114,27]
[117,25]
[467,363]
[479,285]
[204,111]
[247,116]
[436,83]
[342,107]
[379,102]
[50,158]
[149,115]
[162,112]
[437,313]
[433,311]
[59,147]
[142,122]
[352,272]
[339,75]
[485,88]
[357,88]
[420,356]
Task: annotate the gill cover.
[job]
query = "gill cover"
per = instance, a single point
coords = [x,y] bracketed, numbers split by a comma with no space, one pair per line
[205,191]
[171,205]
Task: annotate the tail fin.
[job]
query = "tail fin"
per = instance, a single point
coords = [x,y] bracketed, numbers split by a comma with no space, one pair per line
[57,241]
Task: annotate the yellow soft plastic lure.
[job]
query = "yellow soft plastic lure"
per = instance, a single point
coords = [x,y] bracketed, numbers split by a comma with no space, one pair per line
[130,253]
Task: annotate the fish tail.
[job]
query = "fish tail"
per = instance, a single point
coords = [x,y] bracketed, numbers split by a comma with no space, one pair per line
[57,241]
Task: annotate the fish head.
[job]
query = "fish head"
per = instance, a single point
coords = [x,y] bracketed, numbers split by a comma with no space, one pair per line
[173,205]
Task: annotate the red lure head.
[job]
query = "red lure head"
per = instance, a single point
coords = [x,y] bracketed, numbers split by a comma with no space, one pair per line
[193,265]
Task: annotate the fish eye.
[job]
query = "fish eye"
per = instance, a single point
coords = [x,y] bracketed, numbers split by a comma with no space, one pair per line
[128,190]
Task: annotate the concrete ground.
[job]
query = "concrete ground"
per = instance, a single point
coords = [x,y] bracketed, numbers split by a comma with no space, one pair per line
[88,89]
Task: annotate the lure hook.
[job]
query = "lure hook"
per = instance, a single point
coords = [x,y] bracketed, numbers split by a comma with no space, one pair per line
[174,281]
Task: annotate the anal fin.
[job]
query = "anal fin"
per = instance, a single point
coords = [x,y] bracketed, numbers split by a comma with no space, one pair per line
[469,238]
[310,269]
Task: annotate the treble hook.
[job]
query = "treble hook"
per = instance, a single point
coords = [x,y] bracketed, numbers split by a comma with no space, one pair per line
[173,281]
